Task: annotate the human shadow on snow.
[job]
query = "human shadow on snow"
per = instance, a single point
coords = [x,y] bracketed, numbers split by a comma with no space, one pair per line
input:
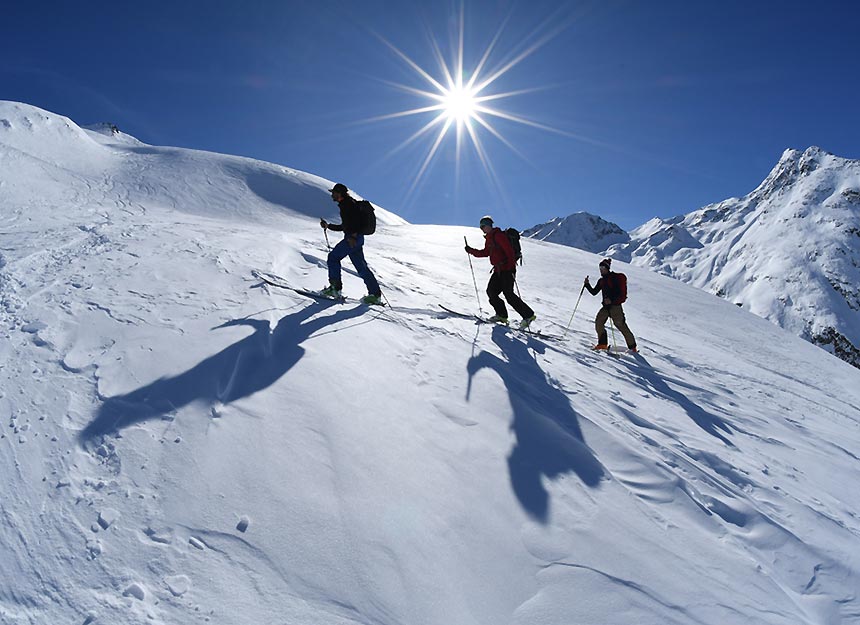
[549,441]
[239,370]
[652,382]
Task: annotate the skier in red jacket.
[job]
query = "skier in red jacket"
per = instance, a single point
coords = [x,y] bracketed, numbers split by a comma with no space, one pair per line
[498,247]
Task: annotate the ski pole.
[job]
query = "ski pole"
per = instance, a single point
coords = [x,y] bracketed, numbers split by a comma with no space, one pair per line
[614,344]
[327,244]
[475,282]
[581,291]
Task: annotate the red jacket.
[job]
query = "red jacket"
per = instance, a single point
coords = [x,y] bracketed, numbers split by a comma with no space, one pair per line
[498,247]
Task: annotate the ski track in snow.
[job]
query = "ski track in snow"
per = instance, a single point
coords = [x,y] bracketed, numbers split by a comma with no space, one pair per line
[196,451]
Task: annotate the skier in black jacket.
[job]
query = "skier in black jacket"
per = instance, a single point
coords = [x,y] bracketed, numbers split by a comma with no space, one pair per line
[610,285]
[352,245]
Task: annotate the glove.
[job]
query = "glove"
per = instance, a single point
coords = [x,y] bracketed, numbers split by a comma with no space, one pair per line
[468,250]
[587,283]
[323,223]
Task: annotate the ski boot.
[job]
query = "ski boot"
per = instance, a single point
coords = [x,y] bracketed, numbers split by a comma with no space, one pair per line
[332,292]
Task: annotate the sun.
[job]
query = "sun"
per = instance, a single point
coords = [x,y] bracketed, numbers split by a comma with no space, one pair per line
[460,103]
[468,107]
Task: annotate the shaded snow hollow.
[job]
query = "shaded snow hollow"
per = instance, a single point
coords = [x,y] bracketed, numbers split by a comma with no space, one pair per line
[182,444]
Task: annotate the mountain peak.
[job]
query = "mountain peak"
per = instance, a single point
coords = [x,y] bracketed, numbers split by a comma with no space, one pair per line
[792,155]
[581,230]
[794,165]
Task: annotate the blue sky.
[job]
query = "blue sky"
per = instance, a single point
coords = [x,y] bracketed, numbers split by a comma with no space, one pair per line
[656,108]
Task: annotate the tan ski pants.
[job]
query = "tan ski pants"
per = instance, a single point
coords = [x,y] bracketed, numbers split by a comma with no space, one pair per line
[616,313]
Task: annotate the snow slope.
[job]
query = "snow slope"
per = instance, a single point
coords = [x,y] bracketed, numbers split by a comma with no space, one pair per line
[789,251]
[181,444]
[581,230]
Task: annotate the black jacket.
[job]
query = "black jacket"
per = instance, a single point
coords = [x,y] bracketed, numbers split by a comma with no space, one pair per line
[350,217]
[610,286]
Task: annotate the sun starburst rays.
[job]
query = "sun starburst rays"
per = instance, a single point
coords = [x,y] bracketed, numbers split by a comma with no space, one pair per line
[463,101]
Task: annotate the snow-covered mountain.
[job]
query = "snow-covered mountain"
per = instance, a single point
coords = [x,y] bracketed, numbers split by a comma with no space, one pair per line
[580,230]
[182,444]
[789,251]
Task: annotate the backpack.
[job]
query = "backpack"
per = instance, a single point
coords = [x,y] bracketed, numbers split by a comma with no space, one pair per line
[514,237]
[367,217]
[621,287]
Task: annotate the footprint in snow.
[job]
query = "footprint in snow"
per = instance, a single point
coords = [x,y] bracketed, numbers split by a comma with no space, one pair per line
[178,585]
[455,418]
[162,538]
[107,517]
[196,542]
[135,590]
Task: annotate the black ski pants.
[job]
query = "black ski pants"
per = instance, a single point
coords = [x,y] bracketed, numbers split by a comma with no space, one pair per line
[502,282]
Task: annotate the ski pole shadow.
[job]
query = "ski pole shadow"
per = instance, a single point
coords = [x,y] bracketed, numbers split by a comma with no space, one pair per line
[239,370]
[652,382]
[549,441]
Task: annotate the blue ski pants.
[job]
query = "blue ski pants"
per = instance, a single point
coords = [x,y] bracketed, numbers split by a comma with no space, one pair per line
[356,255]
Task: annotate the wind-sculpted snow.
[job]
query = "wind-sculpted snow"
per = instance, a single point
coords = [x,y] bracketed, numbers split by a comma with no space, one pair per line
[248,366]
[183,444]
[548,438]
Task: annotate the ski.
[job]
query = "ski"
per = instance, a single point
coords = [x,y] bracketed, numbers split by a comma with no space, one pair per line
[615,353]
[460,314]
[535,333]
[318,295]
[273,280]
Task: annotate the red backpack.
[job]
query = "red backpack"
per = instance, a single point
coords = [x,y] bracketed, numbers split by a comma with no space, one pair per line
[620,281]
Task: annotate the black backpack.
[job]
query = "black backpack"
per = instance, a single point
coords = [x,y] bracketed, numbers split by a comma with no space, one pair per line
[367,217]
[514,237]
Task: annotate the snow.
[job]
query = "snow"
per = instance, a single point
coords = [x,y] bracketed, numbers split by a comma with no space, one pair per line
[199,447]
